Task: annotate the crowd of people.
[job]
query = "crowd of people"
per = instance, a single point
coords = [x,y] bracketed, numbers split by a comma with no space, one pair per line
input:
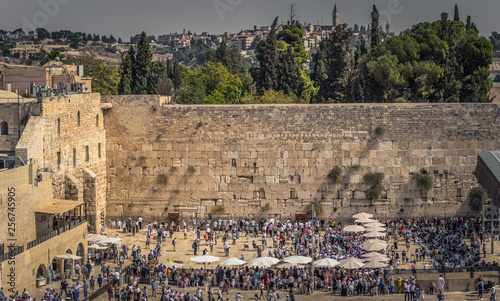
[441,241]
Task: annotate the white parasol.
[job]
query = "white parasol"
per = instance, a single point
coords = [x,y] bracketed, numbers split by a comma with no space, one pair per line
[351,263]
[233,261]
[354,228]
[298,259]
[326,262]
[362,215]
[264,262]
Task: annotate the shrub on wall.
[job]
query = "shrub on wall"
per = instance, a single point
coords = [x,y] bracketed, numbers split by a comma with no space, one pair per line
[318,207]
[335,175]
[265,208]
[162,179]
[373,177]
[217,209]
[379,131]
[191,170]
[424,180]
[376,192]
[476,198]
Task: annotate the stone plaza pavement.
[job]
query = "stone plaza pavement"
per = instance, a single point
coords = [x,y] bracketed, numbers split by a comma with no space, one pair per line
[184,252]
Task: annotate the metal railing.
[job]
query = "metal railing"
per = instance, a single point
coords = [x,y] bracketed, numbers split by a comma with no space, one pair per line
[52,234]
[11,253]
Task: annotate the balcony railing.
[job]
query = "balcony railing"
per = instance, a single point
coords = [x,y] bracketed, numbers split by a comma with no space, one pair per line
[52,234]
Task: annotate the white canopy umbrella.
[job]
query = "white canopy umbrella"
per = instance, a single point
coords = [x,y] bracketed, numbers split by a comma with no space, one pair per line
[375,264]
[287,265]
[298,259]
[68,256]
[374,234]
[111,240]
[374,245]
[233,261]
[364,220]
[98,247]
[374,254]
[375,224]
[351,263]
[374,228]
[96,237]
[362,215]
[264,262]
[354,228]
[380,257]
[326,262]
[205,259]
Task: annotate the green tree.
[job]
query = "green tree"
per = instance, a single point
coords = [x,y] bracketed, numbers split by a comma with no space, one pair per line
[333,66]
[268,57]
[158,71]
[52,55]
[126,72]
[456,16]
[292,34]
[375,34]
[289,75]
[210,84]
[105,75]
[142,66]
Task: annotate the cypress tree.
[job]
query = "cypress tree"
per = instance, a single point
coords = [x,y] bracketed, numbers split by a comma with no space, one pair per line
[456,17]
[177,76]
[126,73]
[289,74]
[222,53]
[142,66]
[268,79]
[468,25]
[375,28]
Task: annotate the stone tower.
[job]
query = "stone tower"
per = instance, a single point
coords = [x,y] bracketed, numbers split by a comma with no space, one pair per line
[335,17]
[387,28]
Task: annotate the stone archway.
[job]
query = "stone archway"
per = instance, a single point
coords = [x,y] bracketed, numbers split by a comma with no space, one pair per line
[69,251]
[41,275]
[80,252]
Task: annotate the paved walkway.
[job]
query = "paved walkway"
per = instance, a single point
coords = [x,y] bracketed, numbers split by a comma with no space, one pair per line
[184,252]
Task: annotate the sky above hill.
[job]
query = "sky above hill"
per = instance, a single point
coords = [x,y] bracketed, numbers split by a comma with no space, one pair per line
[124,18]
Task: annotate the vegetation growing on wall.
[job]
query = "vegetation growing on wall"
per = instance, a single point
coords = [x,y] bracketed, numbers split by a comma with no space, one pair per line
[377,189]
[335,175]
[476,198]
[424,180]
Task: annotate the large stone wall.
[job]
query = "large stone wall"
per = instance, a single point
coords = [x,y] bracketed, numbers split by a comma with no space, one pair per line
[258,160]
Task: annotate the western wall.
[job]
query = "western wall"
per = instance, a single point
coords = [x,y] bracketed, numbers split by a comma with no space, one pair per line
[262,160]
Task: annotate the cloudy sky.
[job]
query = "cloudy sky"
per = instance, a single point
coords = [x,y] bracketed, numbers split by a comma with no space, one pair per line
[124,18]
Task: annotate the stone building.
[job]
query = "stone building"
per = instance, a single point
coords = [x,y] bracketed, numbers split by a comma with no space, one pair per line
[56,189]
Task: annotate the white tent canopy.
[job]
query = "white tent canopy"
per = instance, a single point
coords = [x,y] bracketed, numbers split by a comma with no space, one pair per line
[96,237]
[205,259]
[374,245]
[233,261]
[264,262]
[354,228]
[351,263]
[374,234]
[365,220]
[362,215]
[68,256]
[326,262]
[111,240]
[375,264]
[298,259]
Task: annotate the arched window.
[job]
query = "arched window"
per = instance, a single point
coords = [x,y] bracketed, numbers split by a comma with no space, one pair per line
[4,128]
[97,121]
[58,126]
[78,119]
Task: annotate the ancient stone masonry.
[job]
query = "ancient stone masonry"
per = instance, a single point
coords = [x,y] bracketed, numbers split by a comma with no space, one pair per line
[257,160]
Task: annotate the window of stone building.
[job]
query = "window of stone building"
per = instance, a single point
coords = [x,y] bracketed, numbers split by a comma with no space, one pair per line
[58,159]
[58,126]
[97,121]
[99,150]
[233,162]
[4,128]
[74,157]
[87,153]
[293,193]
[78,118]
